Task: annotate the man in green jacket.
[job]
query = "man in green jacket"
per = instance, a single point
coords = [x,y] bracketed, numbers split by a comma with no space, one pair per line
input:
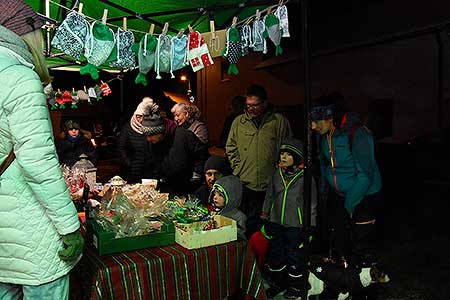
[39,238]
[252,147]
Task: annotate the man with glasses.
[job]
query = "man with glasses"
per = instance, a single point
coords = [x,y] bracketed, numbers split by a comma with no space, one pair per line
[252,148]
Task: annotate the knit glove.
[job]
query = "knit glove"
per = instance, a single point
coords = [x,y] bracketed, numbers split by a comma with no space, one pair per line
[73,246]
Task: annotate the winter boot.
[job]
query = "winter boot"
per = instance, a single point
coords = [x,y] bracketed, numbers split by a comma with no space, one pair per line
[276,278]
[297,281]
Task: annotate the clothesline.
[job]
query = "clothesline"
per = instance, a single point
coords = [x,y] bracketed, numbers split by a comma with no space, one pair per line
[242,22]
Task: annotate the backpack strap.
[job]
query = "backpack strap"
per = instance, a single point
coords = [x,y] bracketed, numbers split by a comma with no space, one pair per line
[352,131]
[7,162]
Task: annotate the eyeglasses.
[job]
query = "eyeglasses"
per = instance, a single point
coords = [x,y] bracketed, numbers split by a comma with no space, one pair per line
[254,105]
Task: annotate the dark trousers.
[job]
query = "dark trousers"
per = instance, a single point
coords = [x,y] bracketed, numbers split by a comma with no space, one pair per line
[286,259]
[251,206]
[285,246]
[351,237]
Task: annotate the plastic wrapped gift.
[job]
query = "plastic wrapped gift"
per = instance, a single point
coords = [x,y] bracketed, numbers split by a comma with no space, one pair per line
[88,168]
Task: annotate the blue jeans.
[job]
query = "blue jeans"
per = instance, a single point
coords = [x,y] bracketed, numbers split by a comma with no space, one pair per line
[54,290]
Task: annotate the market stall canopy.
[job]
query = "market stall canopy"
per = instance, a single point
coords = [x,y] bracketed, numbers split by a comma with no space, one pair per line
[144,16]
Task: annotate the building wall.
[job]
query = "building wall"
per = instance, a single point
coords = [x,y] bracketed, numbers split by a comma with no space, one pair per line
[404,73]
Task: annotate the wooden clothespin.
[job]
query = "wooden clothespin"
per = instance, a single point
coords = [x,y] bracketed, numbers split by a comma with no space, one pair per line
[165,28]
[180,33]
[80,8]
[233,24]
[213,29]
[84,88]
[269,10]
[105,16]
[124,23]
[73,90]
[152,28]
[190,28]
[280,3]
[257,15]
[248,21]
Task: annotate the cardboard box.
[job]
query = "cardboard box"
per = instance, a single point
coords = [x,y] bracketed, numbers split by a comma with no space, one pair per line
[191,236]
[105,243]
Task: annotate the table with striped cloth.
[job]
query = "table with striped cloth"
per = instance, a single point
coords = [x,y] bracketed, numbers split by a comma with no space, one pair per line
[171,272]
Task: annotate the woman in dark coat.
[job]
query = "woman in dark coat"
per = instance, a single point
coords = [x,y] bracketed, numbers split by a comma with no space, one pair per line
[75,143]
[133,149]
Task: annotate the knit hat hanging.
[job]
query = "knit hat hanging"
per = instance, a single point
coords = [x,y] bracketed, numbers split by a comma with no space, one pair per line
[179,52]
[259,43]
[99,45]
[273,31]
[282,14]
[152,122]
[198,52]
[146,57]
[232,50]
[163,54]
[246,39]
[70,37]
[122,56]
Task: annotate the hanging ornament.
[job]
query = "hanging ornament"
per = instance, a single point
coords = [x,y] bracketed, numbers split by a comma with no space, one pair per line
[245,33]
[273,31]
[122,56]
[146,57]
[232,50]
[99,45]
[163,53]
[259,43]
[198,53]
[282,14]
[71,35]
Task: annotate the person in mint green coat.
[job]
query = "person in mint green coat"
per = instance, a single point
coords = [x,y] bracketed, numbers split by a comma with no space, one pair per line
[39,228]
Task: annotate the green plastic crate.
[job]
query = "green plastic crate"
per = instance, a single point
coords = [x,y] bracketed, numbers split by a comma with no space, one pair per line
[105,243]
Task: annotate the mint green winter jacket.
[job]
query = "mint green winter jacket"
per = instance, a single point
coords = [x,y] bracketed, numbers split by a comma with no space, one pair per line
[35,205]
[253,151]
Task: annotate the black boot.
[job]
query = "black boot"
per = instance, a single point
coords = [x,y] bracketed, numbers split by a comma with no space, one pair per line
[297,283]
[276,278]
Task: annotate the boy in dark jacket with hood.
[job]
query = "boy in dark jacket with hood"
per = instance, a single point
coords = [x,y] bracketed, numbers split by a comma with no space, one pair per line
[286,267]
[226,196]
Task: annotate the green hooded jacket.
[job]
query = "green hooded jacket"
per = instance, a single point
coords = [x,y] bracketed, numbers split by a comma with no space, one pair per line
[35,205]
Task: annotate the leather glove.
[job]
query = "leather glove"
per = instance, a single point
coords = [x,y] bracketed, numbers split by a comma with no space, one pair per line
[73,246]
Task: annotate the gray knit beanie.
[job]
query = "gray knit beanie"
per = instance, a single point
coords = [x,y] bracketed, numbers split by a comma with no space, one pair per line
[152,122]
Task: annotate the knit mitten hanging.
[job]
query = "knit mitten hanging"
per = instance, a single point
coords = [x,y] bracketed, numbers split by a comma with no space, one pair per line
[122,56]
[106,90]
[198,52]
[71,35]
[245,33]
[99,45]
[282,14]
[179,52]
[259,43]
[50,95]
[75,99]
[232,50]
[66,98]
[146,57]
[163,54]
[92,95]
[273,31]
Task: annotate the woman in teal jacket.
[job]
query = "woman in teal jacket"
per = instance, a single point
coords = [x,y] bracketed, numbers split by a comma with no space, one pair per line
[39,238]
[348,166]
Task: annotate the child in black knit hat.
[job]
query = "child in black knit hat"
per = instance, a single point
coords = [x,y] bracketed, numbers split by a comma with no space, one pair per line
[285,267]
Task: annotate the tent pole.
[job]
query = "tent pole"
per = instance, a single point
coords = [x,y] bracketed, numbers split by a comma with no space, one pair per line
[307,109]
